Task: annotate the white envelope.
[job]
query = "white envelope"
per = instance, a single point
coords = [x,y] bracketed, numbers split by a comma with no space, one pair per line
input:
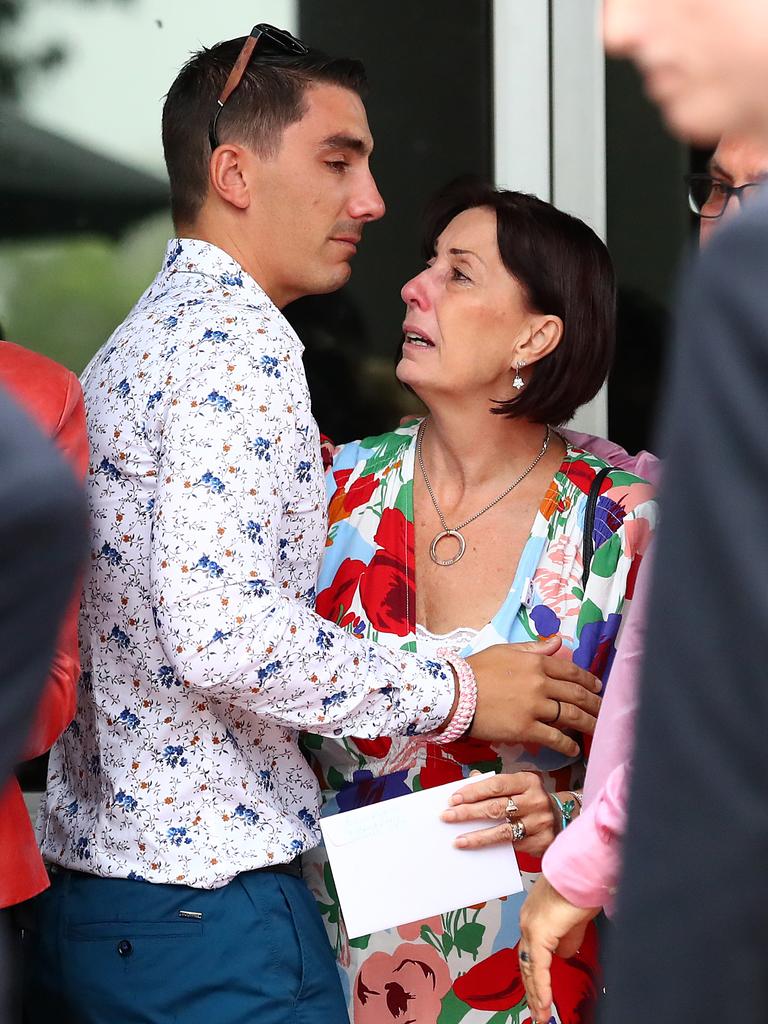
[394,862]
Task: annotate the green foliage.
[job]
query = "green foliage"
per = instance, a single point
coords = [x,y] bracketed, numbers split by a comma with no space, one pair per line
[453,1010]
[469,937]
[65,297]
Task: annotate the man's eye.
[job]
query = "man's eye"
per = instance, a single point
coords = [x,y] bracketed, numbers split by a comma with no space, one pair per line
[337,166]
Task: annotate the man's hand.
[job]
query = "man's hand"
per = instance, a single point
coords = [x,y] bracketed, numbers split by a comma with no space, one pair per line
[524,695]
[548,924]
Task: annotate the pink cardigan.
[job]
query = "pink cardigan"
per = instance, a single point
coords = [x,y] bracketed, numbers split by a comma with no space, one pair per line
[584,862]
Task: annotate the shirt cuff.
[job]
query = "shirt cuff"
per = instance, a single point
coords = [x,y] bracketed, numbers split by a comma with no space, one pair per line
[427,693]
[583,863]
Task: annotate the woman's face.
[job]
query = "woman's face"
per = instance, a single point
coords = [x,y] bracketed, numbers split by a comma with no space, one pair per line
[464,314]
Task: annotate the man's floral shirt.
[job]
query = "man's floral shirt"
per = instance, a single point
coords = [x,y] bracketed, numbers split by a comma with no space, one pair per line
[202,655]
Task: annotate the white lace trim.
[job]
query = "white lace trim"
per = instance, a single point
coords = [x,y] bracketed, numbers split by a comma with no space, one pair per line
[428,643]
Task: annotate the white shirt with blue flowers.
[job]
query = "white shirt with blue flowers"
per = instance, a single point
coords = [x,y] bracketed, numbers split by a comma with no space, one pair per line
[201,653]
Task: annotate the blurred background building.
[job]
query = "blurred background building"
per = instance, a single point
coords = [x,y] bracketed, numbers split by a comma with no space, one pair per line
[518,90]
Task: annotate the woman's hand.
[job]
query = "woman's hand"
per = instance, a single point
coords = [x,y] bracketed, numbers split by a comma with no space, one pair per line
[488,800]
[548,924]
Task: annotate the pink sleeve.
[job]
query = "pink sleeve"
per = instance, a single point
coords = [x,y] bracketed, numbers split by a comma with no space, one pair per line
[583,863]
[643,464]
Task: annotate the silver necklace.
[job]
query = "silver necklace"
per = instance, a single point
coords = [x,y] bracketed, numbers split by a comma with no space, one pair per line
[456,531]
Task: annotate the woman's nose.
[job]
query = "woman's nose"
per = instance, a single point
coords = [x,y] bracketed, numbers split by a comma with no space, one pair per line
[414,292]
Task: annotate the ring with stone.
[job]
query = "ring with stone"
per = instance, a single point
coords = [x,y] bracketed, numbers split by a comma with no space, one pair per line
[511,811]
[517,831]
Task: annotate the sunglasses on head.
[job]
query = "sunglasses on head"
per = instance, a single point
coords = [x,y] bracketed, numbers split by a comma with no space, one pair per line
[279,38]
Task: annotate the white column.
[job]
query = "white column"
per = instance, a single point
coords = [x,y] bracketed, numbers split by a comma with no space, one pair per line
[578,134]
[521,31]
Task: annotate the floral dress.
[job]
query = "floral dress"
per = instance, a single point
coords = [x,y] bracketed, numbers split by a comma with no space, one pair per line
[462,966]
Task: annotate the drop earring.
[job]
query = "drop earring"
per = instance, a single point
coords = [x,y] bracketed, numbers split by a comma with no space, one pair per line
[518,383]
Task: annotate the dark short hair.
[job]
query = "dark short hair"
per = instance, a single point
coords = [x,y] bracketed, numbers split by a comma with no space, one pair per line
[269,97]
[565,270]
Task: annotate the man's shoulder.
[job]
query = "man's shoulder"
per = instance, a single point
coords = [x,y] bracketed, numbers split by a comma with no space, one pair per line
[740,243]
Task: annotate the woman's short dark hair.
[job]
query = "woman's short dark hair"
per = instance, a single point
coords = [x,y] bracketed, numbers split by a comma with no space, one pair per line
[564,269]
[270,97]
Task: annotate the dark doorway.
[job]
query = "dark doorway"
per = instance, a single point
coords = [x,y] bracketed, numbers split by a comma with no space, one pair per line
[430,110]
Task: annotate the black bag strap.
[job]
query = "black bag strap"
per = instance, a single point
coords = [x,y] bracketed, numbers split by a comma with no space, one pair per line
[589,524]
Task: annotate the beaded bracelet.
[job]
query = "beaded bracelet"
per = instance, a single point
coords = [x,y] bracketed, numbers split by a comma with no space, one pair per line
[464,714]
[564,810]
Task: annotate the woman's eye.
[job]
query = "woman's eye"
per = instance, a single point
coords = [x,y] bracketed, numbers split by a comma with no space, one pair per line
[458,275]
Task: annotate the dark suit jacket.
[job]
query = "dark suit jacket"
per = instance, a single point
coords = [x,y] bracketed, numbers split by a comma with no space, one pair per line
[42,544]
[691,941]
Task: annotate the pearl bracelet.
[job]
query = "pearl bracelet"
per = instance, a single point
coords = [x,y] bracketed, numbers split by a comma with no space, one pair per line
[465,709]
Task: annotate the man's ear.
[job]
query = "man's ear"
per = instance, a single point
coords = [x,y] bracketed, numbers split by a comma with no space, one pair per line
[227,175]
[545,334]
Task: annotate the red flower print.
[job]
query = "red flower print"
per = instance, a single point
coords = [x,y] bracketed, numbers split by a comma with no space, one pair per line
[406,987]
[333,602]
[496,983]
[374,748]
[582,474]
[471,751]
[392,530]
[345,501]
[574,983]
[327,448]
[439,768]
[385,593]
[527,862]
[493,984]
[385,590]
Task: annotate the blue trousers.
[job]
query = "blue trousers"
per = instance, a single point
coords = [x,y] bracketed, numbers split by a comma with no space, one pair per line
[114,951]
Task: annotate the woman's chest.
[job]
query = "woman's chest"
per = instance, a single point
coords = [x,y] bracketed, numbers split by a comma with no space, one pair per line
[470,591]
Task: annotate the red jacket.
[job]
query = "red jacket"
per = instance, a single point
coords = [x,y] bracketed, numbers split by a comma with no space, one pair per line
[51,394]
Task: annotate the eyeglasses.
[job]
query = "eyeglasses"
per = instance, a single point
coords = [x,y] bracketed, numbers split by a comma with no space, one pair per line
[279,38]
[708,196]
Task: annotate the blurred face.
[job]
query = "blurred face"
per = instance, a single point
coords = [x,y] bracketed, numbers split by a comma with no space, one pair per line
[463,315]
[738,160]
[313,199]
[705,62]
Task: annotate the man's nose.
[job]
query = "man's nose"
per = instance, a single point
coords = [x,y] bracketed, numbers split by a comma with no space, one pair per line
[621,21]
[367,203]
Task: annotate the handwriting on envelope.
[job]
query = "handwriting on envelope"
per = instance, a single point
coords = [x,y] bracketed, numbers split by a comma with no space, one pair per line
[409,851]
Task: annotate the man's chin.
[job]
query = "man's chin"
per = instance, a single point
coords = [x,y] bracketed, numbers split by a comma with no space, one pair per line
[697,120]
[335,279]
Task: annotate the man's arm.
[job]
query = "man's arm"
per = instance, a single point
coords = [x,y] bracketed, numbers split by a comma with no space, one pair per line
[693,903]
[226,484]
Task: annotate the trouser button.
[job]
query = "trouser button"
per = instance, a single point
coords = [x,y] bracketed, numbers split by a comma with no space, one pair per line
[124,947]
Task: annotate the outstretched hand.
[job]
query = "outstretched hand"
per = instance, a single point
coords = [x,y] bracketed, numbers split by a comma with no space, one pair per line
[549,925]
[525,695]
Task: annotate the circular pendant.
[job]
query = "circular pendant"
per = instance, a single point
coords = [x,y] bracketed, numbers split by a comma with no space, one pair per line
[442,536]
